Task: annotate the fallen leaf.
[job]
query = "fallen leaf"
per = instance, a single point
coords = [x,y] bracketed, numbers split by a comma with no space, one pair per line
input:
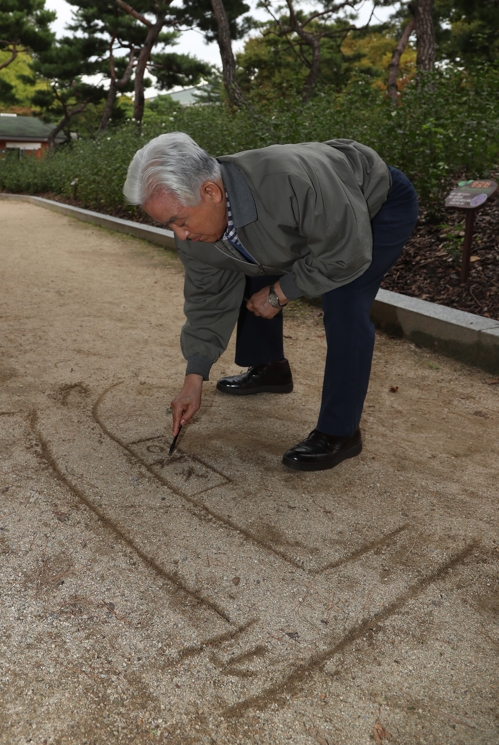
[492,381]
[236,580]
[474,258]
[394,388]
[380,733]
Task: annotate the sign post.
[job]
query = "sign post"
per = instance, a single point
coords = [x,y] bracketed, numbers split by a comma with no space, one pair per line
[469,196]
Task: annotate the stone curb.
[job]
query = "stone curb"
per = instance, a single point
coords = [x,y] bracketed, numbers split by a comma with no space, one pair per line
[463,336]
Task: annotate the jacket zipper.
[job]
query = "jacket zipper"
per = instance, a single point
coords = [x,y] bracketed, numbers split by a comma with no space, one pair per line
[224,251]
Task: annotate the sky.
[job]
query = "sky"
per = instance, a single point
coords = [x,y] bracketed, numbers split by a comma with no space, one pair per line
[192,42]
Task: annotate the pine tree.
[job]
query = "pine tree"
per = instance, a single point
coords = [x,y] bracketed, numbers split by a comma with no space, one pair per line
[24,26]
[64,65]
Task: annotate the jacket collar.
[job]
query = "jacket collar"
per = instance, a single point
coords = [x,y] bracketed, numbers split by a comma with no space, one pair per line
[241,200]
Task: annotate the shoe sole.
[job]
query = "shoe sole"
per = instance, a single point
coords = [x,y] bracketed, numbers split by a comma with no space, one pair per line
[324,465]
[261,389]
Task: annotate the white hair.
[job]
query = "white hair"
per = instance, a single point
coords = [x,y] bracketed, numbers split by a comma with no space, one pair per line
[171,162]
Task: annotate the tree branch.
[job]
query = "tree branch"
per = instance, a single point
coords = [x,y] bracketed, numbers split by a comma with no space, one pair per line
[128,9]
[15,52]
[68,115]
[393,67]
[111,58]
[330,11]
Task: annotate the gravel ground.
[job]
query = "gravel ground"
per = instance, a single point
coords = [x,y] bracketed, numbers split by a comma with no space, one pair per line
[217,597]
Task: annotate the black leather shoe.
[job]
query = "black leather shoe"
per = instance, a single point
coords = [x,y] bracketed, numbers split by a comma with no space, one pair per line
[319,451]
[272,378]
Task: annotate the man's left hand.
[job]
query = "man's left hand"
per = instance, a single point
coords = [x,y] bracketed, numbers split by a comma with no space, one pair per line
[259,302]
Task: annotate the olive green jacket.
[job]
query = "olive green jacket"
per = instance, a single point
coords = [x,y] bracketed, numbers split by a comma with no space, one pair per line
[301,211]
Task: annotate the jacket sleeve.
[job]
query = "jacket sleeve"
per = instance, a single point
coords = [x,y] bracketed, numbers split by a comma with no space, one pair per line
[334,219]
[213,298]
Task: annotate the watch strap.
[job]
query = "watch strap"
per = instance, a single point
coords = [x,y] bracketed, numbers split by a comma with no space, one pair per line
[273,294]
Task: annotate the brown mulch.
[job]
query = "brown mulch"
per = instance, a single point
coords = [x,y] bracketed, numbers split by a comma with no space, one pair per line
[430,264]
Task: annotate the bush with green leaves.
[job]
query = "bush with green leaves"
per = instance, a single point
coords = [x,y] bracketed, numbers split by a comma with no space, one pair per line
[444,127]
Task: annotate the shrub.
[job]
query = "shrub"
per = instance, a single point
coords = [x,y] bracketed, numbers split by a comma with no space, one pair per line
[443,127]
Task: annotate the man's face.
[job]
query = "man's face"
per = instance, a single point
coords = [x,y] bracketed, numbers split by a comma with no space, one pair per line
[204,222]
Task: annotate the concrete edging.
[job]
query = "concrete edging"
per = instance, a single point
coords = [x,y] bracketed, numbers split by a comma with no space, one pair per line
[463,336]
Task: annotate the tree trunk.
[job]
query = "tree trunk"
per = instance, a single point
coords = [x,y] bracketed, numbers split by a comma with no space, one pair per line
[393,67]
[114,86]
[154,30]
[145,53]
[311,80]
[314,44]
[235,94]
[425,34]
[69,115]
[312,76]
[108,108]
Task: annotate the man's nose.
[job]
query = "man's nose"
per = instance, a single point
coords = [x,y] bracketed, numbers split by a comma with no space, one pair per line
[181,233]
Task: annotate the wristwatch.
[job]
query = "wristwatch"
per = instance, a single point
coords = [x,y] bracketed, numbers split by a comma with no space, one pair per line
[273,299]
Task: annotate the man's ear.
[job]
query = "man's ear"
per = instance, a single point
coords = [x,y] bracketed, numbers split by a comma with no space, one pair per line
[211,191]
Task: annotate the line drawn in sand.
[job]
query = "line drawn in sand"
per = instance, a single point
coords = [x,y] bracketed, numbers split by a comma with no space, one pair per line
[185,472]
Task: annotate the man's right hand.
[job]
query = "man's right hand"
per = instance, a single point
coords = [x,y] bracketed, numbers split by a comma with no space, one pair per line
[187,402]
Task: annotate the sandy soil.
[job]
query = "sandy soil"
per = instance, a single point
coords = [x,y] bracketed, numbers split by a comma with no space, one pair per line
[216,597]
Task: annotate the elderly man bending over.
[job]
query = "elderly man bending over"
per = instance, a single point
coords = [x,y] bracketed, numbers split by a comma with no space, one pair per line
[262,227]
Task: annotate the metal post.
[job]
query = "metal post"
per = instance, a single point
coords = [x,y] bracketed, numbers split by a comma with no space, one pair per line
[468,239]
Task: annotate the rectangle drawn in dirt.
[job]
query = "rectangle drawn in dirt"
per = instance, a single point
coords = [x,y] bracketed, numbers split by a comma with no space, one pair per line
[181,471]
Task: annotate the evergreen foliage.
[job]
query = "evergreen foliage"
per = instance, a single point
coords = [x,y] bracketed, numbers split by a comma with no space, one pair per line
[199,14]
[442,126]
[18,79]
[469,30]
[64,64]
[442,129]
[24,26]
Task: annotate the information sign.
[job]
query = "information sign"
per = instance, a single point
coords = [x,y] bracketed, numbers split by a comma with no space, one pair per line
[471,194]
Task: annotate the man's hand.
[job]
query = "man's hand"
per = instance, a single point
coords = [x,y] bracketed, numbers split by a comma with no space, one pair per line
[187,402]
[259,302]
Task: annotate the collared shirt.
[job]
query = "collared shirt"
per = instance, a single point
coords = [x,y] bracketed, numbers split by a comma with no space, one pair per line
[231,234]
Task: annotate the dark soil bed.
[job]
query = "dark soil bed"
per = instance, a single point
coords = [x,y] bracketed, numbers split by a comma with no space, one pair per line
[430,264]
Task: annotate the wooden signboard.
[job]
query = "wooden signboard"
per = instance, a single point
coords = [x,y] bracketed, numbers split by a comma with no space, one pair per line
[470,196]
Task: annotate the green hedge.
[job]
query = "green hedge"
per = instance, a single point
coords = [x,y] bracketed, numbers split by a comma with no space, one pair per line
[443,128]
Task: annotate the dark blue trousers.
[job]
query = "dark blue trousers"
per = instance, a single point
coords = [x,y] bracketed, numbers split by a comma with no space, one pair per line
[349,330]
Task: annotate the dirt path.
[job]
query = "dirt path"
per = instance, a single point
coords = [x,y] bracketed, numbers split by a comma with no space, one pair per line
[217,597]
